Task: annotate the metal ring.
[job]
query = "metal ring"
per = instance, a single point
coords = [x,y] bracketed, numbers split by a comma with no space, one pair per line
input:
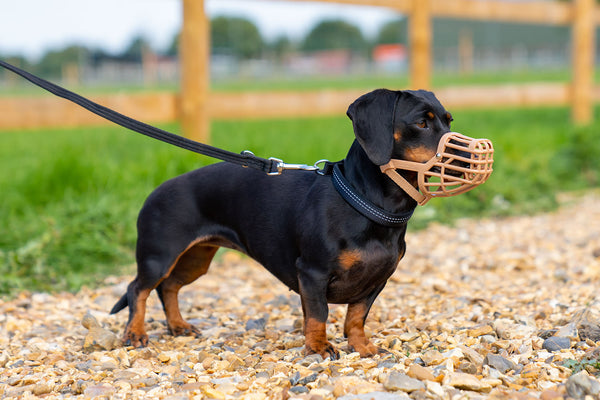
[316,165]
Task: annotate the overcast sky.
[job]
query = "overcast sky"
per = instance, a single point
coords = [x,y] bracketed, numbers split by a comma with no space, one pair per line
[32,27]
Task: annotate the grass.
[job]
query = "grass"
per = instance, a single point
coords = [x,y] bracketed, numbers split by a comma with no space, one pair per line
[440,79]
[592,365]
[70,197]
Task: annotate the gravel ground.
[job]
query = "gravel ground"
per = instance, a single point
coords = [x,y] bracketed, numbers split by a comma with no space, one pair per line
[499,308]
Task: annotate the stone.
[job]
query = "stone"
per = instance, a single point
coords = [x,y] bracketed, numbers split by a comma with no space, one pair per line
[376,396]
[409,336]
[498,362]
[421,373]
[258,324]
[472,355]
[432,357]
[552,394]
[569,331]
[464,381]
[43,388]
[399,381]
[98,338]
[581,385]
[308,379]
[95,391]
[299,389]
[556,343]
[480,331]
[467,367]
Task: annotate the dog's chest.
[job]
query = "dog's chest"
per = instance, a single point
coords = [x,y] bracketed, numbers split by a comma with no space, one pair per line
[360,271]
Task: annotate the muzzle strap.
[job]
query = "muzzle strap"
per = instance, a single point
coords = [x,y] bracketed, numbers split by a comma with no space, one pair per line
[404,184]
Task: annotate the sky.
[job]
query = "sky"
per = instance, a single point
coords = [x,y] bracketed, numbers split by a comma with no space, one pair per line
[32,27]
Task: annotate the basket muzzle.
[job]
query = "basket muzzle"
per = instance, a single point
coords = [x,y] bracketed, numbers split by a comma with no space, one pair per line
[460,164]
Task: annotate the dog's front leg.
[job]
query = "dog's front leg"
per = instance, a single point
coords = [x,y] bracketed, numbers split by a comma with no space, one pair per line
[313,294]
[354,326]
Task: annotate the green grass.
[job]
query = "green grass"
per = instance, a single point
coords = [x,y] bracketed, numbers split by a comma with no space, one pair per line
[70,197]
[440,79]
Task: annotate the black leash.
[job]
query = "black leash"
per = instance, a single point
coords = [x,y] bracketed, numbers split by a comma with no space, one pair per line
[271,166]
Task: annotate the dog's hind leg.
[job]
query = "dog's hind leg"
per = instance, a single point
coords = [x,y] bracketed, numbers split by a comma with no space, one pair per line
[189,266]
[135,333]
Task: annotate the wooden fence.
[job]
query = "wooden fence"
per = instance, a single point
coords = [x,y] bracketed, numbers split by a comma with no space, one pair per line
[195,106]
[18,113]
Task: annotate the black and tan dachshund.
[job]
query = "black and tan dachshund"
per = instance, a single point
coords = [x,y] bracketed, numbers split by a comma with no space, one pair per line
[296,225]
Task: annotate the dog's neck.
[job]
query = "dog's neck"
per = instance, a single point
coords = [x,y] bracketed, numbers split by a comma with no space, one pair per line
[371,183]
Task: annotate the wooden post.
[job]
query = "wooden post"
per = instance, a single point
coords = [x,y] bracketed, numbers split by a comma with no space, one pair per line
[583,33]
[420,32]
[194,59]
[465,51]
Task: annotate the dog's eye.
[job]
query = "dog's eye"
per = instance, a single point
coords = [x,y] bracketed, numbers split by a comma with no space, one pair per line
[422,124]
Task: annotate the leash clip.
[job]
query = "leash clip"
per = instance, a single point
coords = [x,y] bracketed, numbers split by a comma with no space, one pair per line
[280,166]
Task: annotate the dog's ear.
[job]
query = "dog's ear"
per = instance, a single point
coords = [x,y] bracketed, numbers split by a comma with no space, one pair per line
[372,119]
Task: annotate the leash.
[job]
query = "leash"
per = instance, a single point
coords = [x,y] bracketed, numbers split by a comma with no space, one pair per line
[271,166]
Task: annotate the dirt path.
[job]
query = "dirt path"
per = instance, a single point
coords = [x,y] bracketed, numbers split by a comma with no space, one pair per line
[486,309]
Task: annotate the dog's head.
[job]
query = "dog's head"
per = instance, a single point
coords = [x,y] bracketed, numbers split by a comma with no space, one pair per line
[406,125]
[410,130]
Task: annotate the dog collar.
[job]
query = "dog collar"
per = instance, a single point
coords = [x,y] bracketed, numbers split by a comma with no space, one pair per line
[364,206]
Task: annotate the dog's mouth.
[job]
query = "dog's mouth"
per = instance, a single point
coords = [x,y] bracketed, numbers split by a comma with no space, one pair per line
[457,173]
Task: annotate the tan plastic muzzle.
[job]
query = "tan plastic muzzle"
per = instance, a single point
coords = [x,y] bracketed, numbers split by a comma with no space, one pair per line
[461,163]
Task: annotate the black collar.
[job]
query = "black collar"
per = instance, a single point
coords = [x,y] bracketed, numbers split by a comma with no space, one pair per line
[364,206]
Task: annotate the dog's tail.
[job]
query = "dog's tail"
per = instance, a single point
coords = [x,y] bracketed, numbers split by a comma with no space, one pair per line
[121,304]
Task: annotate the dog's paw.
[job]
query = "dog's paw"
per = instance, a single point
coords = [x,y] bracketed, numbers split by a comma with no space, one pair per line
[135,340]
[185,330]
[324,350]
[367,350]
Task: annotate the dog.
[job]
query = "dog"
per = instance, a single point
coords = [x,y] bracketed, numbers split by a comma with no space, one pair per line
[296,224]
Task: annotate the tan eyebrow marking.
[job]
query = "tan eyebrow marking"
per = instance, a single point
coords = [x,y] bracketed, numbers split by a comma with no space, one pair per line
[430,115]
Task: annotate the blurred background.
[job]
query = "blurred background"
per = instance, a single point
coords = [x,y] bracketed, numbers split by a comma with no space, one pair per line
[281,74]
[258,42]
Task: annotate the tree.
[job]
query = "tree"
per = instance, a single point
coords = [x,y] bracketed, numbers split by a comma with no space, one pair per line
[52,62]
[281,47]
[334,34]
[393,32]
[173,49]
[230,35]
[236,36]
[135,50]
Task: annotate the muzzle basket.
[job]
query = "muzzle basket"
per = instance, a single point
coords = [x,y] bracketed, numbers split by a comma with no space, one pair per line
[460,164]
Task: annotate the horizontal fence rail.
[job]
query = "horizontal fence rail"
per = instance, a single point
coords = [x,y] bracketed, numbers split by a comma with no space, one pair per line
[45,111]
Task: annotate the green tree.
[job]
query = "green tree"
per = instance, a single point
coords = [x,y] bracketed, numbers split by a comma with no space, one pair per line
[173,49]
[281,47]
[230,35]
[335,34]
[236,36]
[393,32]
[136,49]
[53,61]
